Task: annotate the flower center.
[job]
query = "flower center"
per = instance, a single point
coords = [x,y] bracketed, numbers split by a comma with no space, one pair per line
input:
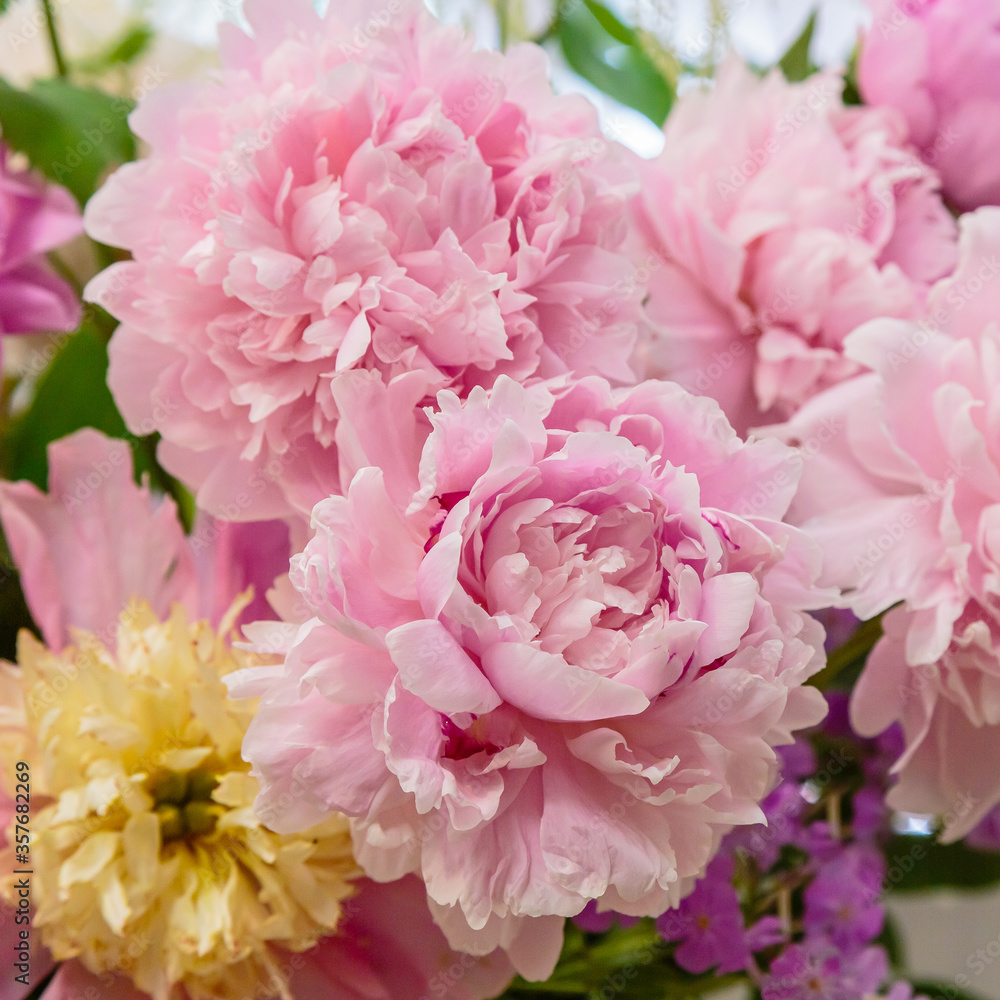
[463,743]
[183,803]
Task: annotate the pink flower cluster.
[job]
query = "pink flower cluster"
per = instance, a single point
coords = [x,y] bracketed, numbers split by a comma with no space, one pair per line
[35,217]
[548,625]
[903,501]
[86,551]
[938,62]
[784,220]
[401,205]
[552,669]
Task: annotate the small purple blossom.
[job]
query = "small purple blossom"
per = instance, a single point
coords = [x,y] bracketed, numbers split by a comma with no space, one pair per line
[814,970]
[710,924]
[594,922]
[841,902]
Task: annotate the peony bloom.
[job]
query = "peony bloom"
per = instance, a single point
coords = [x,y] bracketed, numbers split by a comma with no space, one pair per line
[551,668]
[148,857]
[938,62]
[153,877]
[35,217]
[362,193]
[96,525]
[903,500]
[784,220]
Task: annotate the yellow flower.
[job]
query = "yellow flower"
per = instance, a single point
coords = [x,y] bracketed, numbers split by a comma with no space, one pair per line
[147,857]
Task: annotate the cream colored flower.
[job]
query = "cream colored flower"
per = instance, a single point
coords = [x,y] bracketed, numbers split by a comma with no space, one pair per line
[147,857]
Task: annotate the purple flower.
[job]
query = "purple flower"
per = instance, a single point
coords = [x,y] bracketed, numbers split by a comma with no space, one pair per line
[869,813]
[710,923]
[814,970]
[764,842]
[588,919]
[820,842]
[986,835]
[34,217]
[798,760]
[766,932]
[842,900]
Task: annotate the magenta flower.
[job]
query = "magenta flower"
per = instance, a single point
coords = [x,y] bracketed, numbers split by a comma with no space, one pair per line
[709,924]
[938,62]
[842,900]
[404,207]
[35,217]
[554,668]
[814,970]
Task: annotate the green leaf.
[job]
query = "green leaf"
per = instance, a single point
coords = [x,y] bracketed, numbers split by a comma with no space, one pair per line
[852,95]
[14,613]
[123,50]
[4,4]
[607,20]
[920,863]
[849,658]
[795,63]
[889,939]
[941,991]
[73,135]
[610,55]
[71,394]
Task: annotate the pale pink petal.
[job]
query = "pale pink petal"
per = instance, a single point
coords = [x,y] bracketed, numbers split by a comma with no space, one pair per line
[95,541]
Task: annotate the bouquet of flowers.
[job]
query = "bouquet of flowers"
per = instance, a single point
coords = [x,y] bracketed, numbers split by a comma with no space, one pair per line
[448,555]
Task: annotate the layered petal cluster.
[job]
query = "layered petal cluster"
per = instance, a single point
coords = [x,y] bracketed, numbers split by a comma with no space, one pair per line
[938,63]
[152,875]
[97,540]
[783,220]
[553,673]
[147,858]
[905,500]
[35,217]
[359,192]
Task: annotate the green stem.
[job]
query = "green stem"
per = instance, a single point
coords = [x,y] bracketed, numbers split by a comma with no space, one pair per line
[857,647]
[66,273]
[503,20]
[50,20]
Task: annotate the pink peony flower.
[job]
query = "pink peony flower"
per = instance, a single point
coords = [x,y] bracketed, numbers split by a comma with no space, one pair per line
[555,672]
[96,540]
[784,221]
[86,548]
[938,62]
[35,217]
[359,192]
[903,499]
